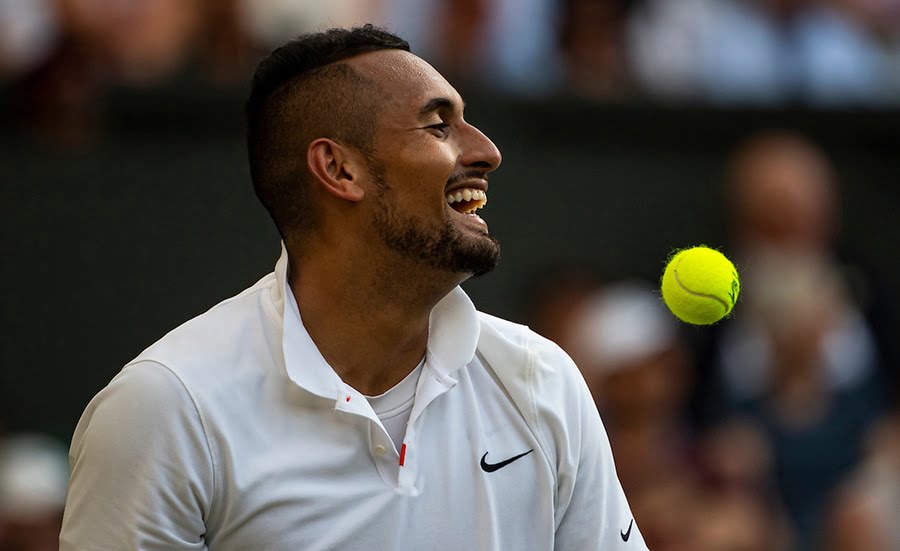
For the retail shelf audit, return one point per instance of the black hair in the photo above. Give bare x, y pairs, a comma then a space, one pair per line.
302, 91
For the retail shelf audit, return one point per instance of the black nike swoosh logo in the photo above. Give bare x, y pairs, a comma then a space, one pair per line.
491, 467
626, 535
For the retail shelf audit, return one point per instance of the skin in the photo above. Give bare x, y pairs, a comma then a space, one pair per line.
782, 194
365, 302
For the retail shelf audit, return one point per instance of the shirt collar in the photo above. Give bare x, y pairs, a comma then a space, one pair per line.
305, 365
453, 332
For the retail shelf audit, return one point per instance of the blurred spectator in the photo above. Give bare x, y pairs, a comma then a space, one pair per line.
733, 522
34, 473
782, 194
784, 210
783, 199
740, 506
593, 47
736, 456
800, 359
665, 40
273, 22
761, 52
864, 513
136, 40
506, 46
29, 30
63, 55
80, 47
668, 510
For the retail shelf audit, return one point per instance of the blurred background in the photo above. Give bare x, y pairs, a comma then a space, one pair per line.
769, 129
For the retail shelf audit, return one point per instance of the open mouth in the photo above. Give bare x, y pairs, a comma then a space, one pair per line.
467, 201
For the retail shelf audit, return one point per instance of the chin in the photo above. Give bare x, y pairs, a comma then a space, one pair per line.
449, 247
478, 257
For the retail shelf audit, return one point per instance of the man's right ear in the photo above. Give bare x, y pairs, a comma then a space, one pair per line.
336, 168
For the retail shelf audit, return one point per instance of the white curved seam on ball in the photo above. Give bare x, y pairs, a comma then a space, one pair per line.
694, 293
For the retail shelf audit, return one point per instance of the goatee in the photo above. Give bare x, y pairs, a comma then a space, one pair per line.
446, 247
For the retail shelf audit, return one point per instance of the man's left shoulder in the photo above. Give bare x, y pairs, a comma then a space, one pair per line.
516, 333
508, 342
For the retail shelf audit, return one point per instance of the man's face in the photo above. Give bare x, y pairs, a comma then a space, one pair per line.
429, 168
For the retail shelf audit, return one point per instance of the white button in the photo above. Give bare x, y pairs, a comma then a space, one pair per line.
380, 450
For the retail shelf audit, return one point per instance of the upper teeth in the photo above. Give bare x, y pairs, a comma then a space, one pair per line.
467, 195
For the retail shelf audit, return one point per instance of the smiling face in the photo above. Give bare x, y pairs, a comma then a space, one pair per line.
428, 168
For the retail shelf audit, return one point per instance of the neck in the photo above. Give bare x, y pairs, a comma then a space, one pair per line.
368, 320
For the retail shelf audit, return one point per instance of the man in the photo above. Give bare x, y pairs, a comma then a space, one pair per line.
353, 399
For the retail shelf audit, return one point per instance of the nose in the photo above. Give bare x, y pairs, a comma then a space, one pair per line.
479, 151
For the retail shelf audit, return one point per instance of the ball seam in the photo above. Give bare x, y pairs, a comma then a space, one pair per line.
694, 293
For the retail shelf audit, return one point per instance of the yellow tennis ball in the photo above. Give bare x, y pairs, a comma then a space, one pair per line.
700, 285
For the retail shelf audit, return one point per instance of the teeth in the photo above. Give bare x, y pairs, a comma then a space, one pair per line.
467, 195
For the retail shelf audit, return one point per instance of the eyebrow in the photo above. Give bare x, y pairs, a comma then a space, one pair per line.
437, 104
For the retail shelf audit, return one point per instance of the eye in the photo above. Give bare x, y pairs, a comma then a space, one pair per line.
441, 129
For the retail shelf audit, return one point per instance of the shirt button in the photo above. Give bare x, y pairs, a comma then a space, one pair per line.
380, 450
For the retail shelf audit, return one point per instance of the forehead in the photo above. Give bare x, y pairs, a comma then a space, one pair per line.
406, 81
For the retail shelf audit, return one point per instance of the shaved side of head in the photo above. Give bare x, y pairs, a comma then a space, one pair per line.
306, 90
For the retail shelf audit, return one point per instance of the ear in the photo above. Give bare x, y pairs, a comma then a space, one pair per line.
336, 168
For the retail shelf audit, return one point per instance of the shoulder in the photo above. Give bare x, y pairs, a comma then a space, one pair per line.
516, 335
540, 378
146, 407
141, 464
205, 348
528, 353
194, 375
141, 386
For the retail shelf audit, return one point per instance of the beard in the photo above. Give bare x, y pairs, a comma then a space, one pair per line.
445, 247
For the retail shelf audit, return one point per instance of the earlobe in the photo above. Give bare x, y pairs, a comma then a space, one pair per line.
333, 167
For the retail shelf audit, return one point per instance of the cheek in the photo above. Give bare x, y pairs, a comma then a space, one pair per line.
434, 159
425, 170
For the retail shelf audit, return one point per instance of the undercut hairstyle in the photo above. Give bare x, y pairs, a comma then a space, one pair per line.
303, 91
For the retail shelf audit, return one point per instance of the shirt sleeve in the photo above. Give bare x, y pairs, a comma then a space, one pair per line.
142, 471
592, 513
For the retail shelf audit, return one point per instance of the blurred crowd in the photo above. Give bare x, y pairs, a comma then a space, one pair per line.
778, 431
62, 54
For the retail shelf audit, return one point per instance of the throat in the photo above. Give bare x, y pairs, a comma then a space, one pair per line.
379, 371
370, 341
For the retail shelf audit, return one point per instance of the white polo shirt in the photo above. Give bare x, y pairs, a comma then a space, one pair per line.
233, 433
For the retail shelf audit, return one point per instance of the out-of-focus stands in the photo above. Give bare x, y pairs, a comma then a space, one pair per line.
62, 55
